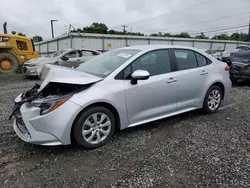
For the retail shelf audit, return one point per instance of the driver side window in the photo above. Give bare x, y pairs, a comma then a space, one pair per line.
155, 62
73, 54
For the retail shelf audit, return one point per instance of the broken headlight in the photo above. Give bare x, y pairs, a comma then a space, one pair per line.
49, 104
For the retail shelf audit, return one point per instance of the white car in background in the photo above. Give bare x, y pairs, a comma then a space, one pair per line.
214, 53
66, 57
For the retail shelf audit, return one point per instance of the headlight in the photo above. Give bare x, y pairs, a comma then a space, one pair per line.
31, 65
48, 105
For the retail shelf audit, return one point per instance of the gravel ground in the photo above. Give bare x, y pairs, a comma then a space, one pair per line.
188, 150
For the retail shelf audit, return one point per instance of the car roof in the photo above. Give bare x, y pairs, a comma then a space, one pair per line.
155, 47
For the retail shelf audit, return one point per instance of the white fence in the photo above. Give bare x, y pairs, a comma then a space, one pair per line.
106, 42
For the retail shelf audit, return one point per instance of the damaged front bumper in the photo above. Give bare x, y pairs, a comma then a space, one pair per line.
50, 129
30, 71
45, 114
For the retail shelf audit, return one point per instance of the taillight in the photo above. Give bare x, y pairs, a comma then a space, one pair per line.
227, 68
4, 39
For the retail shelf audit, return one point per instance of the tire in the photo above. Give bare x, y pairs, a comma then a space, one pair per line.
12, 59
233, 80
85, 123
208, 107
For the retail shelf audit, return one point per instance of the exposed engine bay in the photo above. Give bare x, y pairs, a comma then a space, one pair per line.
51, 92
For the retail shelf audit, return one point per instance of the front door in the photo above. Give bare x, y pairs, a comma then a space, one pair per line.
73, 59
150, 99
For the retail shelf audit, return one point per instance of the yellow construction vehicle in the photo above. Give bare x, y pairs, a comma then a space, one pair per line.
15, 49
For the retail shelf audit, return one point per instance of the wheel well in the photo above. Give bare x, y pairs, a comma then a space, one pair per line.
219, 84
104, 104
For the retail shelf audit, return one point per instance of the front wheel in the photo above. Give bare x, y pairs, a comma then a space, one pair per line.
212, 100
94, 127
8, 62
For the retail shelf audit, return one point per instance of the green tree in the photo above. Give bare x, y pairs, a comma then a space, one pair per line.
96, 28
234, 36
201, 36
222, 37
182, 35
239, 37
167, 35
37, 38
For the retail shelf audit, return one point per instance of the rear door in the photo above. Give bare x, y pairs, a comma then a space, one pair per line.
192, 78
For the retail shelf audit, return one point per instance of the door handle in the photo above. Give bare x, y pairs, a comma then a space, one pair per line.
170, 80
78, 60
204, 72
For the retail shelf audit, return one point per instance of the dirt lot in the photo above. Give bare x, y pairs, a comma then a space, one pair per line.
189, 150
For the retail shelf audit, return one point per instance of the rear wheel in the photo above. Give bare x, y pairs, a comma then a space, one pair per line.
233, 80
94, 127
8, 62
213, 99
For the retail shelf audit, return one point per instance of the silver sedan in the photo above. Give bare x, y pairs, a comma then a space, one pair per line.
119, 89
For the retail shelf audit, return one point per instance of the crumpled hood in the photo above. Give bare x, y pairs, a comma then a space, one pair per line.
41, 61
58, 74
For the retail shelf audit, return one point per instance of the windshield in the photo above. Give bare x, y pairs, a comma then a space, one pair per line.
106, 63
58, 53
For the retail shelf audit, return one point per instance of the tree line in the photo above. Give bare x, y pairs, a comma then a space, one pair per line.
101, 28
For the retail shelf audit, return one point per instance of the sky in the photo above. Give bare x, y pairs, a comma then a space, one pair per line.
32, 17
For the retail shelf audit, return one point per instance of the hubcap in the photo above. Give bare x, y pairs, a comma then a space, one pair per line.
6, 65
96, 128
214, 99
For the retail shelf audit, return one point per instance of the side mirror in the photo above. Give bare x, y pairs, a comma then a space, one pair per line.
64, 58
139, 75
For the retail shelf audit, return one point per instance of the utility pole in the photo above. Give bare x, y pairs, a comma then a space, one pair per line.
131, 36
5, 28
249, 32
52, 29
124, 28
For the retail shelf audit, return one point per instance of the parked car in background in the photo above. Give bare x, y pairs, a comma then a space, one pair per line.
214, 53
240, 67
67, 58
243, 48
119, 89
226, 55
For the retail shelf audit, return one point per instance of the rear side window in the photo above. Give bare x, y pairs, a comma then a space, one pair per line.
202, 61
185, 59
73, 54
21, 45
87, 53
